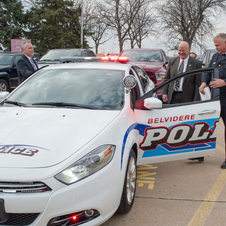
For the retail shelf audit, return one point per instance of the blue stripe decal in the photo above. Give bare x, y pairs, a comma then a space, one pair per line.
165, 150
132, 127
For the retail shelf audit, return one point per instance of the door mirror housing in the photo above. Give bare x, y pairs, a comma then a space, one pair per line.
152, 103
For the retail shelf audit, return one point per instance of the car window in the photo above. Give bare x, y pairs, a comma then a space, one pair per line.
89, 53
144, 55
135, 92
5, 59
92, 87
16, 59
196, 90
54, 55
214, 93
142, 76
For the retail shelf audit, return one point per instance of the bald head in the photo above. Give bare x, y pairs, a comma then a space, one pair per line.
183, 50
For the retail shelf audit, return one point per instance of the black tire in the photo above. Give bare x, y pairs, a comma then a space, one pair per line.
3, 85
129, 187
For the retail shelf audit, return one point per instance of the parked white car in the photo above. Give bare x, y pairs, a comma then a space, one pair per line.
72, 136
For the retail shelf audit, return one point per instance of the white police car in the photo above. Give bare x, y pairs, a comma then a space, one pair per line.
72, 135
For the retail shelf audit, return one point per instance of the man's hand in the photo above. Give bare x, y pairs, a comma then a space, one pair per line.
165, 98
217, 83
201, 88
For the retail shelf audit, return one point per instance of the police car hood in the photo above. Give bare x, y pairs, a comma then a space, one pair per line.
32, 137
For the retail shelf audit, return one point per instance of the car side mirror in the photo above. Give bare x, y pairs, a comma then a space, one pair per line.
152, 103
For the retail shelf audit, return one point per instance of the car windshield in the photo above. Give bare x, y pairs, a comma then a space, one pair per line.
144, 55
5, 59
88, 88
57, 53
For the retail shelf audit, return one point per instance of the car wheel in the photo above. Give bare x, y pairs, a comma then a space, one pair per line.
129, 188
3, 85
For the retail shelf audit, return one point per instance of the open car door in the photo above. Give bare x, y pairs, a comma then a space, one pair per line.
170, 132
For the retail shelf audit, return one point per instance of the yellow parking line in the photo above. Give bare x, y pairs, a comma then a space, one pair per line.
145, 177
208, 203
219, 148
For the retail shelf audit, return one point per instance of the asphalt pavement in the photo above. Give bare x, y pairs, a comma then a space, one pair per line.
179, 193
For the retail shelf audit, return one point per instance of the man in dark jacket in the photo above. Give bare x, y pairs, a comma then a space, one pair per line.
26, 65
187, 89
218, 61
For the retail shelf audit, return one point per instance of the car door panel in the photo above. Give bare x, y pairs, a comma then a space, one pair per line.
177, 131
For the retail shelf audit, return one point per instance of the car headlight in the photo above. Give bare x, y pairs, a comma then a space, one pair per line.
87, 165
159, 76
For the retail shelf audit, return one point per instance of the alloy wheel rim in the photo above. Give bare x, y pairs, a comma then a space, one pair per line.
2, 87
131, 180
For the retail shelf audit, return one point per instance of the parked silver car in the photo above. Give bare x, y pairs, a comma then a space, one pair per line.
207, 56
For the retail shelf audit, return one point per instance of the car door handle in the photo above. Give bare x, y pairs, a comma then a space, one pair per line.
210, 111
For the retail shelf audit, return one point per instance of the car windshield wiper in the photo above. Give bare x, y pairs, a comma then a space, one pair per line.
15, 103
63, 104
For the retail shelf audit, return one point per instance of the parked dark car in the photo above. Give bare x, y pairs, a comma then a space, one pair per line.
207, 56
152, 61
8, 72
53, 55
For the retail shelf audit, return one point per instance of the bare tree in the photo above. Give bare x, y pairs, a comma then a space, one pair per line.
188, 19
30, 3
93, 22
99, 33
119, 15
142, 26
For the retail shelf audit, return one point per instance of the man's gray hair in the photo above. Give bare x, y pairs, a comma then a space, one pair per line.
23, 46
221, 36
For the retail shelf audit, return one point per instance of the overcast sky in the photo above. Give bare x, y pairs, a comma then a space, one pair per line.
155, 42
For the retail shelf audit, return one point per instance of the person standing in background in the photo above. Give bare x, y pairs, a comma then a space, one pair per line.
218, 61
26, 65
186, 89
194, 55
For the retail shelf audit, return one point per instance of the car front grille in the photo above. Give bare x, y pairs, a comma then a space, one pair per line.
151, 76
20, 219
23, 187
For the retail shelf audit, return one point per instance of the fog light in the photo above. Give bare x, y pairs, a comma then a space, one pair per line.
89, 213
74, 218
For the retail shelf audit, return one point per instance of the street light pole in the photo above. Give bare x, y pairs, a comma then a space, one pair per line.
82, 24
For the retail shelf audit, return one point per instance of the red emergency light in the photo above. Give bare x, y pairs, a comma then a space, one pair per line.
123, 59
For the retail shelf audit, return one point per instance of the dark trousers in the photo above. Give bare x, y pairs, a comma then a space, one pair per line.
177, 97
223, 115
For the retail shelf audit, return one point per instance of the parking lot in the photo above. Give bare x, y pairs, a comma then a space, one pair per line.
179, 193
